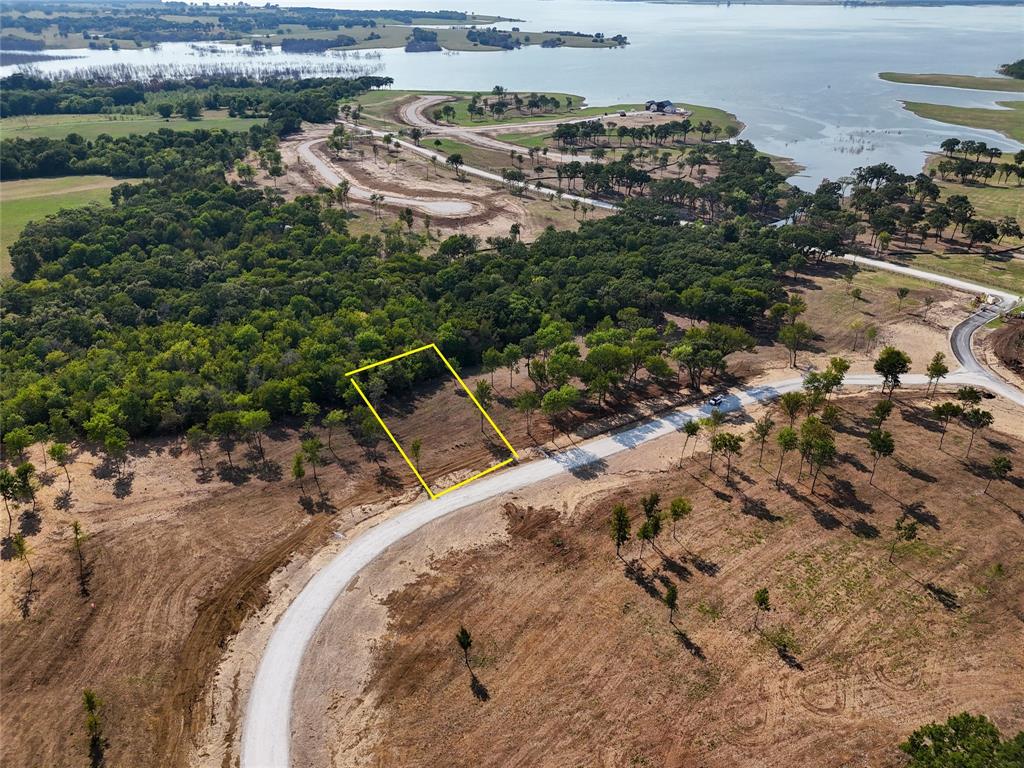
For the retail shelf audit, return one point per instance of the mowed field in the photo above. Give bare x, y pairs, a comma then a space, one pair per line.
32, 199
575, 660
91, 126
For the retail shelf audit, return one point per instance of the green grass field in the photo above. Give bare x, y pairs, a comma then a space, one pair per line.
91, 126
991, 200
32, 199
996, 271
1008, 121
957, 81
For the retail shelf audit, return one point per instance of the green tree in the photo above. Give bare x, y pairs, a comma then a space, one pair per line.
788, 440
299, 471
791, 403
253, 424
79, 537
312, 453
904, 531
730, 444
999, 469
21, 550
901, 294
225, 426
334, 419
465, 641
17, 440
558, 402
794, 337
937, 370
620, 526
890, 365
882, 446
414, 450
197, 438
679, 509
762, 431
945, 413
483, 393
692, 429
61, 456
527, 402
762, 604
491, 362
97, 744
9, 493
671, 600
963, 741
881, 412
975, 420
645, 534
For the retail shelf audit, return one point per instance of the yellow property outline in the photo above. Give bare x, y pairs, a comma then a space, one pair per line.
458, 378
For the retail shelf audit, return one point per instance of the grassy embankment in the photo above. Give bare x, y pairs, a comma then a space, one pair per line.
1008, 121
91, 126
32, 199
956, 81
396, 36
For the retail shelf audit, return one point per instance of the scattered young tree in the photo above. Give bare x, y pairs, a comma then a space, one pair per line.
881, 412
620, 527
901, 294
890, 365
998, 469
645, 534
762, 604
21, 550
334, 419
197, 438
414, 451
975, 420
9, 493
61, 456
882, 445
904, 531
92, 705
730, 444
78, 537
788, 440
299, 471
692, 429
937, 370
527, 402
945, 413
671, 600
311, 453
762, 430
969, 395
252, 425
679, 509
483, 393
794, 336
465, 641
791, 404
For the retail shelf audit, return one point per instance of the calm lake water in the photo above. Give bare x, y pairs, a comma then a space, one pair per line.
803, 78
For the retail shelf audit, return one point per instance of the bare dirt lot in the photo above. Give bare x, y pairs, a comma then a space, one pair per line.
574, 660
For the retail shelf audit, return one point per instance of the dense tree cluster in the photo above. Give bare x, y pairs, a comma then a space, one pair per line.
169, 22
1013, 69
494, 38
191, 298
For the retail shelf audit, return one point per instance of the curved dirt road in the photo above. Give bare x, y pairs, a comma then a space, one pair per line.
266, 729
434, 207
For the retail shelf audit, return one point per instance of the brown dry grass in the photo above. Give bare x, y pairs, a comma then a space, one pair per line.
579, 665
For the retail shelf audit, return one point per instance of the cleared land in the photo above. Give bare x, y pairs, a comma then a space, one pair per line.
91, 126
956, 81
33, 199
1008, 121
574, 659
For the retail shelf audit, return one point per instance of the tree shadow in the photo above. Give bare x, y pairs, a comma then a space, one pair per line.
269, 471
26, 600
123, 485
64, 501
636, 572
676, 568
920, 513
759, 509
581, 464
947, 599
30, 522
388, 478
790, 660
46, 478
863, 529
688, 643
707, 567
232, 473
916, 472
826, 519
203, 475
479, 690
105, 470
844, 495
853, 461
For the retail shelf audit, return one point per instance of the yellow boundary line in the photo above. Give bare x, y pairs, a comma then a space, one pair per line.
462, 384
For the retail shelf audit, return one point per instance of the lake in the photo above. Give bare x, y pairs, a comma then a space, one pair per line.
803, 78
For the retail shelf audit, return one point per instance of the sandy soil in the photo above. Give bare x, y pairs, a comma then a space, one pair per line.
574, 661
